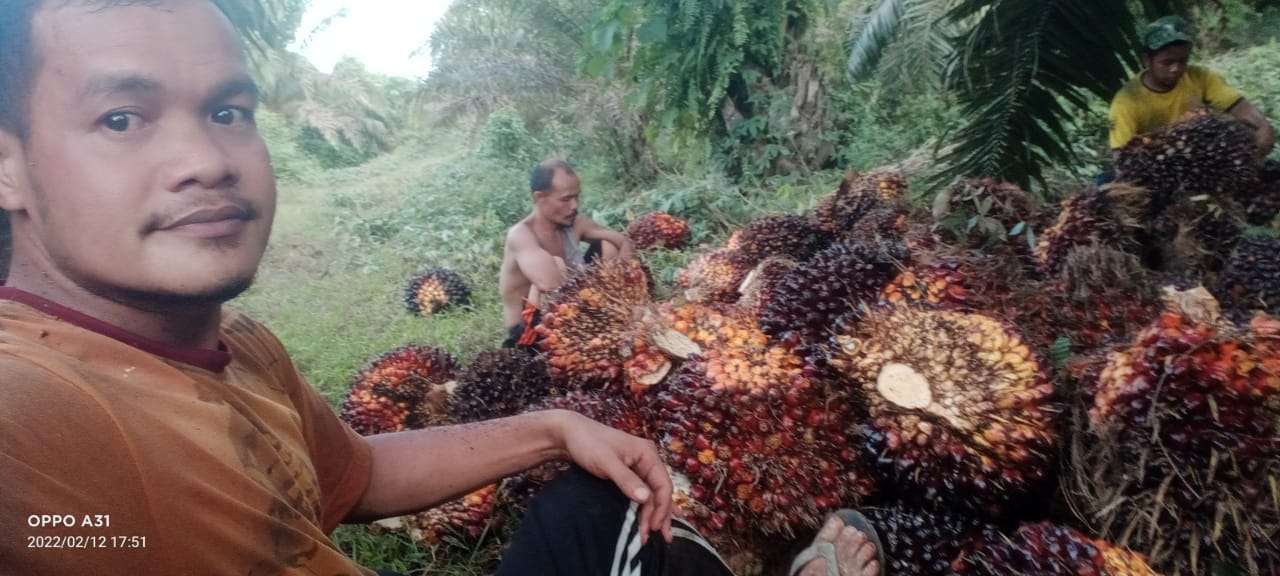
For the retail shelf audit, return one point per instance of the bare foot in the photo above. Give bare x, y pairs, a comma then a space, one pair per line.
854, 553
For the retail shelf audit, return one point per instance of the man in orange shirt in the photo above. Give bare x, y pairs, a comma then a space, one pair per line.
146, 430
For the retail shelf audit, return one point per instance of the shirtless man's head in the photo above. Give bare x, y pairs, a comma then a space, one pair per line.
137, 186
556, 190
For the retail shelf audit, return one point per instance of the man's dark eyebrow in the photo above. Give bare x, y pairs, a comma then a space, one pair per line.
122, 84
238, 86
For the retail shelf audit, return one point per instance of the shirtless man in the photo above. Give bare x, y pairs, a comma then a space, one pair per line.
543, 249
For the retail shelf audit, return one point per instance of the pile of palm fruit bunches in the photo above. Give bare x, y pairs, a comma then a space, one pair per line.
1102, 400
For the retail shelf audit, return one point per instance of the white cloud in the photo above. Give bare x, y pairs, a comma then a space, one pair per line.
380, 33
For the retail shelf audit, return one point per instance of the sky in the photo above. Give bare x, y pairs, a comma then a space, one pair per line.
380, 33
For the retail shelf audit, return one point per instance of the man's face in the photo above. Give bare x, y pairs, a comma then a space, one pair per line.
146, 179
559, 203
1166, 67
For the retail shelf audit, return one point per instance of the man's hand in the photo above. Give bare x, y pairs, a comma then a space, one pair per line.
630, 462
627, 251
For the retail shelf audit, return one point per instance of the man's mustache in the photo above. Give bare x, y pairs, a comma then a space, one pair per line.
245, 209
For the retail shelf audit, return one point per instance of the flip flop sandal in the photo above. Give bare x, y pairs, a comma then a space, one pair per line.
827, 550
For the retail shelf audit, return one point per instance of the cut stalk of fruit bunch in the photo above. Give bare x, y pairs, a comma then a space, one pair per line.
961, 411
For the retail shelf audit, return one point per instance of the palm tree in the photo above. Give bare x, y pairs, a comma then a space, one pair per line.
1019, 69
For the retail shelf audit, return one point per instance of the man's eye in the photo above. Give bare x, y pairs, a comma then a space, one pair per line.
231, 115
121, 121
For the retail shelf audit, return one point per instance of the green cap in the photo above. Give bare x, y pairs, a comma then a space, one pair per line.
1166, 31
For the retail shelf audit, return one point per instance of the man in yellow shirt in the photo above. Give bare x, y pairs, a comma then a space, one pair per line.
1169, 87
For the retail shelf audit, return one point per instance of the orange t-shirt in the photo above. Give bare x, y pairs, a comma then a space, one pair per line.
165, 460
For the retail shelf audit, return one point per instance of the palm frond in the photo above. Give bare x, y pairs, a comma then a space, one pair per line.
872, 34
917, 59
1021, 71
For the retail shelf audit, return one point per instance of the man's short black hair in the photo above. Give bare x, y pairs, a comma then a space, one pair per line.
17, 62
18, 58
542, 174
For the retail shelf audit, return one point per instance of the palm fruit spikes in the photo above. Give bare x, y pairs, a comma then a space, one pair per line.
771, 456
793, 237
920, 542
1044, 549
856, 196
1107, 216
500, 383
960, 410
1102, 296
435, 289
404, 389
1202, 153
809, 301
659, 230
715, 276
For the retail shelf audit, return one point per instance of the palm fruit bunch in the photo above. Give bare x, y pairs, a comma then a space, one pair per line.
759, 285
1202, 153
961, 411
921, 542
764, 448
887, 224
404, 389
1194, 234
856, 196
809, 301
1102, 296
1251, 279
659, 230
1183, 452
500, 383
435, 289
1110, 216
466, 520
589, 323
794, 237
1044, 549
715, 276
937, 286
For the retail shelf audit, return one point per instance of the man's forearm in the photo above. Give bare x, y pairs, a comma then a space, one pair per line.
423, 468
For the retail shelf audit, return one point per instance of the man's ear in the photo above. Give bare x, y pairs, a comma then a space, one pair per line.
13, 172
